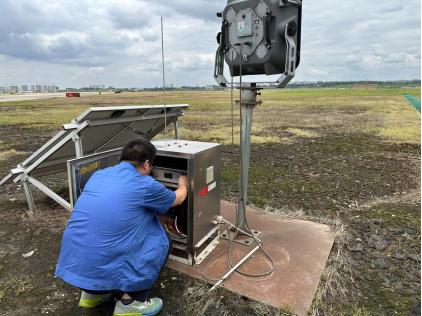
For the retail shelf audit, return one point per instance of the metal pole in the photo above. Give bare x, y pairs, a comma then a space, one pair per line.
247, 103
78, 146
28, 194
234, 268
176, 130
43, 188
164, 78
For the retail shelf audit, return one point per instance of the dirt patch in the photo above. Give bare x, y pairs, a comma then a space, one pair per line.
23, 138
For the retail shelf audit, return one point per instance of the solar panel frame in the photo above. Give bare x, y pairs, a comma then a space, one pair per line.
100, 128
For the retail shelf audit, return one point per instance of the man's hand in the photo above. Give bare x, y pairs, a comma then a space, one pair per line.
183, 181
182, 191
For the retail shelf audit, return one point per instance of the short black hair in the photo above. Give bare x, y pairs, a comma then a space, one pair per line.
138, 151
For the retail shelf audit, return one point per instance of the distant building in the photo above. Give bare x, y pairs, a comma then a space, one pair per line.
38, 88
13, 89
51, 89
97, 87
24, 88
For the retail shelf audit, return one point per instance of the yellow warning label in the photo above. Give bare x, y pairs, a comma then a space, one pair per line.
90, 168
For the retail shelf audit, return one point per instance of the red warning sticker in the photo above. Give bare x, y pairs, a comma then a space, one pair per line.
206, 190
203, 192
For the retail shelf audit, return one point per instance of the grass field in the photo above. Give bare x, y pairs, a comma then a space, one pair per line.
349, 158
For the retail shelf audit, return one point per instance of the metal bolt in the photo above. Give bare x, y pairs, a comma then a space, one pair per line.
292, 28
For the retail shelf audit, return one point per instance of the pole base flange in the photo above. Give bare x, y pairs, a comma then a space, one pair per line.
240, 238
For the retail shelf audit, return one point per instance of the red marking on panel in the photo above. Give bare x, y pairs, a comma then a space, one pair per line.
203, 192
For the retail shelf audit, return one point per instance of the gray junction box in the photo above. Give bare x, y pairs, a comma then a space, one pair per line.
190, 225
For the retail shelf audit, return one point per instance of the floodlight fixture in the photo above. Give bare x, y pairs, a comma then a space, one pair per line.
259, 37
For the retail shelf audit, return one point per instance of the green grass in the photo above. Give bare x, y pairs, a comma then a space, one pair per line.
345, 92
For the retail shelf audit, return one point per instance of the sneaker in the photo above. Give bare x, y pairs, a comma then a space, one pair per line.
88, 300
150, 307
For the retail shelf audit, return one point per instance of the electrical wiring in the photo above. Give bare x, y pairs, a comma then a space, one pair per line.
177, 229
173, 230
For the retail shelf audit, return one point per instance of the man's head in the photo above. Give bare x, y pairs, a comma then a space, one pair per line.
141, 153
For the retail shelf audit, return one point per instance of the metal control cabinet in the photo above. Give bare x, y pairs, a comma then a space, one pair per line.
201, 163
190, 225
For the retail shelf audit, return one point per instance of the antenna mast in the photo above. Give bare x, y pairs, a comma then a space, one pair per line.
164, 78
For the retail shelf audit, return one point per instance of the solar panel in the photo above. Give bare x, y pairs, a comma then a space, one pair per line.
98, 129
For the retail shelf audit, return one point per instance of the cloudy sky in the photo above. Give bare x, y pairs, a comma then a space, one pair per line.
74, 43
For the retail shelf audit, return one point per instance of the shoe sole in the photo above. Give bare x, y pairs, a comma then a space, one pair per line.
138, 314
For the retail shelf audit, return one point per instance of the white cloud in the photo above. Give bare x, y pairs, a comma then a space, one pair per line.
76, 43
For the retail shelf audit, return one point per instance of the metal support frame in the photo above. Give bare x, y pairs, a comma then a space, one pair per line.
247, 104
176, 129
284, 3
290, 63
28, 194
56, 147
26, 179
46, 190
227, 275
198, 258
78, 146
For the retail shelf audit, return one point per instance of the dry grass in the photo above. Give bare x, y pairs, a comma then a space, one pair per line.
411, 197
5, 155
303, 133
223, 134
16, 284
303, 113
337, 285
198, 292
221, 302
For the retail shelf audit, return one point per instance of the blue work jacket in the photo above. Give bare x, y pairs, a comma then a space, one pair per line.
114, 240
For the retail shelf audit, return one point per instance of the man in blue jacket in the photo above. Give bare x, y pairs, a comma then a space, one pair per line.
114, 242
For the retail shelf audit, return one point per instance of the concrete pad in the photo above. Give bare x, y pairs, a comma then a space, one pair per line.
299, 249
